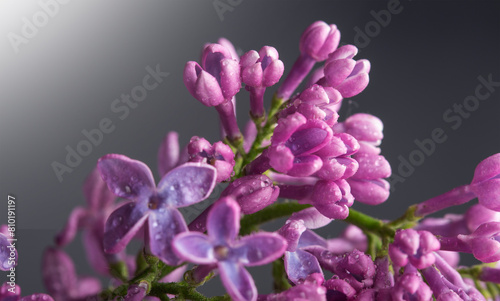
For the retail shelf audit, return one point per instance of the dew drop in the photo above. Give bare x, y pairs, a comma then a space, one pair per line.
117, 221
155, 224
158, 236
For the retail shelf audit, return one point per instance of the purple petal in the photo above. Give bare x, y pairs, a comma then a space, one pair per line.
93, 244
310, 238
354, 85
488, 193
287, 126
58, 272
237, 281
300, 264
305, 165
164, 224
280, 158
6, 295
126, 178
487, 169
168, 154
85, 287
187, 184
364, 127
194, 247
96, 192
260, 248
312, 218
122, 225
273, 73
5, 251
372, 167
371, 192
136, 292
75, 222
336, 71
344, 52
223, 221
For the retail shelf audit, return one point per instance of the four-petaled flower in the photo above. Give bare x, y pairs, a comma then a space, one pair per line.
183, 186
221, 247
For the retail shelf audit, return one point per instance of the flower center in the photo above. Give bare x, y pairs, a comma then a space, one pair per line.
221, 252
153, 202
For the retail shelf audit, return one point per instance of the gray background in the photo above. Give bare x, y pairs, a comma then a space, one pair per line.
64, 79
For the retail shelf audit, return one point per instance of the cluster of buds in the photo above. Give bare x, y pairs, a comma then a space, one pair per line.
302, 150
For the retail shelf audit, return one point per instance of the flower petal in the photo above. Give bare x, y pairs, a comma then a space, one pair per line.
237, 281
312, 218
94, 249
58, 272
168, 154
260, 248
126, 178
164, 224
300, 264
194, 247
86, 287
122, 225
75, 221
223, 221
97, 193
35, 297
187, 184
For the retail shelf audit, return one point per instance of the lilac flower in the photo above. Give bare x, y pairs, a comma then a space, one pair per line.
339, 289
299, 264
294, 140
316, 102
13, 293
260, 70
60, 278
367, 184
135, 292
410, 286
169, 155
230, 255
415, 247
214, 84
346, 75
486, 182
7, 251
316, 43
485, 186
92, 220
219, 155
483, 243
253, 193
182, 186
447, 284
351, 238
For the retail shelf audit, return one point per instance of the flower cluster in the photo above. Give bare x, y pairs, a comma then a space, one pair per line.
299, 160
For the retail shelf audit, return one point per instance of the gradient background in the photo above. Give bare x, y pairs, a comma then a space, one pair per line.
63, 81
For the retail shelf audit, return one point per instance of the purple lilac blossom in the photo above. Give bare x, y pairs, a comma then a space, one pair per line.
219, 155
260, 70
60, 278
92, 221
316, 43
169, 154
221, 247
184, 185
415, 247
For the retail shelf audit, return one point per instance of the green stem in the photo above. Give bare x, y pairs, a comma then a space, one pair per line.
407, 220
250, 221
368, 223
279, 275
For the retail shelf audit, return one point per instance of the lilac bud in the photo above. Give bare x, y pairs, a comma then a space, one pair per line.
484, 242
363, 127
486, 182
410, 286
219, 155
168, 154
319, 40
339, 289
261, 69
202, 85
253, 193
136, 292
217, 60
291, 232
332, 199
412, 246
230, 47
